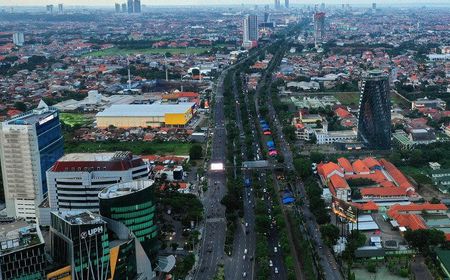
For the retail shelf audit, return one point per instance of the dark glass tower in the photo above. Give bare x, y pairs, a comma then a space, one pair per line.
374, 119
132, 204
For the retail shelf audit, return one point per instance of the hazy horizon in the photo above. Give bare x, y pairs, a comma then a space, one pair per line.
216, 2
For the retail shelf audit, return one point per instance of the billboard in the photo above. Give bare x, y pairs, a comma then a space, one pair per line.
344, 209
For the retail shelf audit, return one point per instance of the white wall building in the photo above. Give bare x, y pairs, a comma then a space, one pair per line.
29, 144
75, 180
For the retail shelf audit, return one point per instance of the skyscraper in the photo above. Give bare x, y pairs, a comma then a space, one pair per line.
18, 39
132, 204
117, 6
137, 6
124, 7
374, 119
250, 34
80, 239
277, 4
30, 144
286, 4
130, 6
60, 8
49, 9
319, 27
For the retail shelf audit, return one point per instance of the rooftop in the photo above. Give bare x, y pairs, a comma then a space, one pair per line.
88, 162
18, 235
80, 217
39, 115
123, 189
145, 110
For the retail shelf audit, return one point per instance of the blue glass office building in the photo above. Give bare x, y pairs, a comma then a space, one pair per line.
30, 144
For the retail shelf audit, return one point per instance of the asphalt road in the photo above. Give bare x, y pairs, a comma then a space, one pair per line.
213, 235
326, 259
211, 251
242, 262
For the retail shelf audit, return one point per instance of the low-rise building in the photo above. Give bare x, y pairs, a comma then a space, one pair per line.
146, 115
428, 103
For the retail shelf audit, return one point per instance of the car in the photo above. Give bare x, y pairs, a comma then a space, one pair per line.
270, 263
275, 249
245, 251
243, 257
276, 270
244, 274
246, 224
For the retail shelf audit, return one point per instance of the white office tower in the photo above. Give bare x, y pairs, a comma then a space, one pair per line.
18, 39
250, 32
75, 180
29, 144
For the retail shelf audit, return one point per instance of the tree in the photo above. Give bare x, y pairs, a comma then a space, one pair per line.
196, 152
316, 157
435, 200
303, 167
330, 234
20, 106
424, 239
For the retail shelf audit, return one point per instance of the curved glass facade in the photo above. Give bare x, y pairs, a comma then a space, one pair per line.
136, 210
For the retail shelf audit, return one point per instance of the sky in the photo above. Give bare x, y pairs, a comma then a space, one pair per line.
211, 2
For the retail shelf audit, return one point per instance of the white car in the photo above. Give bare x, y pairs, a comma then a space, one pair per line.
276, 270
245, 251
244, 274
275, 249
270, 263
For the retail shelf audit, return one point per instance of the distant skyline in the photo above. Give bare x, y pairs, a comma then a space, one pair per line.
215, 2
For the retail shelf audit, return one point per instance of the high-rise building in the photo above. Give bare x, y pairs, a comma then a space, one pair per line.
133, 205
250, 34
374, 119
286, 4
124, 7
277, 4
30, 143
75, 180
79, 239
137, 6
18, 39
117, 6
130, 6
374, 6
60, 8
266, 17
22, 253
319, 27
49, 9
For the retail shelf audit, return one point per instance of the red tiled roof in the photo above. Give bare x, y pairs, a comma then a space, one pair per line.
387, 191
325, 169
338, 182
368, 206
342, 113
109, 165
417, 207
371, 162
345, 163
359, 166
396, 174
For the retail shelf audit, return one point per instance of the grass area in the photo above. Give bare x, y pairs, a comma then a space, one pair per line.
136, 147
116, 51
348, 98
72, 119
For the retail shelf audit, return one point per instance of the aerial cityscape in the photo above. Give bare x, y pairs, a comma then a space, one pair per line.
284, 140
